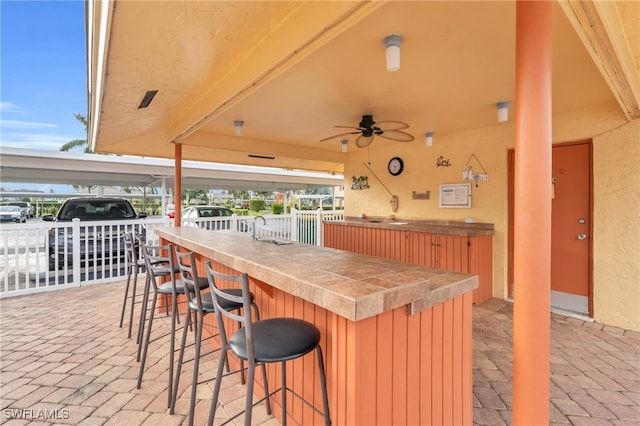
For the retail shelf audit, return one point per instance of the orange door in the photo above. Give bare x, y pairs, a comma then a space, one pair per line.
570, 227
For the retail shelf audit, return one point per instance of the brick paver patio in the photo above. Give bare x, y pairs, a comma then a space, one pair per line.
64, 360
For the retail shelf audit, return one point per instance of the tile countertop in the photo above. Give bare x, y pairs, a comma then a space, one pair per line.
354, 286
445, 227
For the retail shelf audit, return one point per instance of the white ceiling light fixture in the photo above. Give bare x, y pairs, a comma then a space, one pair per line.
343, 145
392, 51
428, 138
237, 125
503, 111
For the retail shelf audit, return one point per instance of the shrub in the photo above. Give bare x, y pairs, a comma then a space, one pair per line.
277, 208
256, 205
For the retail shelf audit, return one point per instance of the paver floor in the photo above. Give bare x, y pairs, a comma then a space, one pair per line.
64, 360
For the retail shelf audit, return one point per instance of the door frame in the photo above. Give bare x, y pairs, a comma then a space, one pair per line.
510, 224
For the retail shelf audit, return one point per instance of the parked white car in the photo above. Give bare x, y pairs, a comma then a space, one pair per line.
12, 214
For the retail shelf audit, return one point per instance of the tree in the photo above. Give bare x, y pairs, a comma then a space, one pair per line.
78, 143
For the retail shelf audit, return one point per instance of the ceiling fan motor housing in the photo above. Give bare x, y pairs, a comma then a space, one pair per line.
367, 121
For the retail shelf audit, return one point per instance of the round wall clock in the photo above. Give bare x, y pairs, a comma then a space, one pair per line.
395, 166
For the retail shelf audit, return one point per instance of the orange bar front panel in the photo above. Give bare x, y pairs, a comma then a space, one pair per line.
392, 368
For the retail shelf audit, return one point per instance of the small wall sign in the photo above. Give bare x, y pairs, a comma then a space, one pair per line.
420, 195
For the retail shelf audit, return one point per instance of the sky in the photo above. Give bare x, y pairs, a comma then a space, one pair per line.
42, 73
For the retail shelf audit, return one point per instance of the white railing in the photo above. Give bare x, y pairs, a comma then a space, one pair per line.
89, 252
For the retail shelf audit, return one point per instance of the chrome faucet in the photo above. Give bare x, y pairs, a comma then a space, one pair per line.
253, 231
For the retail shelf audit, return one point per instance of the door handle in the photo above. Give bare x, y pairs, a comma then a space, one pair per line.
582, 236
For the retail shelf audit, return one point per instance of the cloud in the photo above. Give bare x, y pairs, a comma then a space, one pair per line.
21, 125
44, 141
9, 107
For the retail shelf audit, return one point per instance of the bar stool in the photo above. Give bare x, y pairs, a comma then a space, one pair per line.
134, 265
199, 304
172, 287
261, 342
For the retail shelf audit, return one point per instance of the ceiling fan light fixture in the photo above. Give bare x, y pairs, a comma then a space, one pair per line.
429, 138
343, 145
392, 51
503, 111
237, 125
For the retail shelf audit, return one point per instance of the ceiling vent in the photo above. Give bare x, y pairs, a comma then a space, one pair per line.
264, 157
148, 97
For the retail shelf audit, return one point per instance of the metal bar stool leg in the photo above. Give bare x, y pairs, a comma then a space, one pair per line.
187, 323
126, 296
133, 298
283, 366
323, 386
146, 341
143, 315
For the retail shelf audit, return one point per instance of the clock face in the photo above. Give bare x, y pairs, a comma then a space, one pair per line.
396, 165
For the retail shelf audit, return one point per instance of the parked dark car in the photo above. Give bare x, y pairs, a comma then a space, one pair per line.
192, 216
96, 241
12, 214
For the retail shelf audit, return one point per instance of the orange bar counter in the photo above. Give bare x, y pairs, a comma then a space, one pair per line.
396, 336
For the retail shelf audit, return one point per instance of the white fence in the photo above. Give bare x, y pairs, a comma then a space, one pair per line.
44, 256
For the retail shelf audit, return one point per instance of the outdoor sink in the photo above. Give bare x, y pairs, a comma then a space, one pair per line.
276, 242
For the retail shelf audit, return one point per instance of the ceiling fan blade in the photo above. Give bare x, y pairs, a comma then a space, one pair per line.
391, 125
364, 141
337, 136
396, 135
349, 127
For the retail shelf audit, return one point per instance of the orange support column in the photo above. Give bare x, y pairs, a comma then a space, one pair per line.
532, 226
177, 186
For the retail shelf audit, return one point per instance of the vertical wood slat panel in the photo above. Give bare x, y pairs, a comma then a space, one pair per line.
436, 365
399, 367
384, 369
481, 263
414, 369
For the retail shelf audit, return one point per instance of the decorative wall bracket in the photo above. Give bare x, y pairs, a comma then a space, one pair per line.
469, 174
360, 182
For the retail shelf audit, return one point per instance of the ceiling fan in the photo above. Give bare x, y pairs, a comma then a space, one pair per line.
368, 129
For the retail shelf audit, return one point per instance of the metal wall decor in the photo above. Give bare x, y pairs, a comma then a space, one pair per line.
360, 182
443, 162
394, 199
469, 174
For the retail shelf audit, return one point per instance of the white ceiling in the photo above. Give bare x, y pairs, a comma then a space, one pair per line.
293, 70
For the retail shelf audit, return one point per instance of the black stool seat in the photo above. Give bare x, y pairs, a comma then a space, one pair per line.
277, 339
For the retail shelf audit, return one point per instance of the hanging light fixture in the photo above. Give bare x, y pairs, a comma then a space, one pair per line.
392, 51
343, 145
237, 125
428, 138
503, 111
